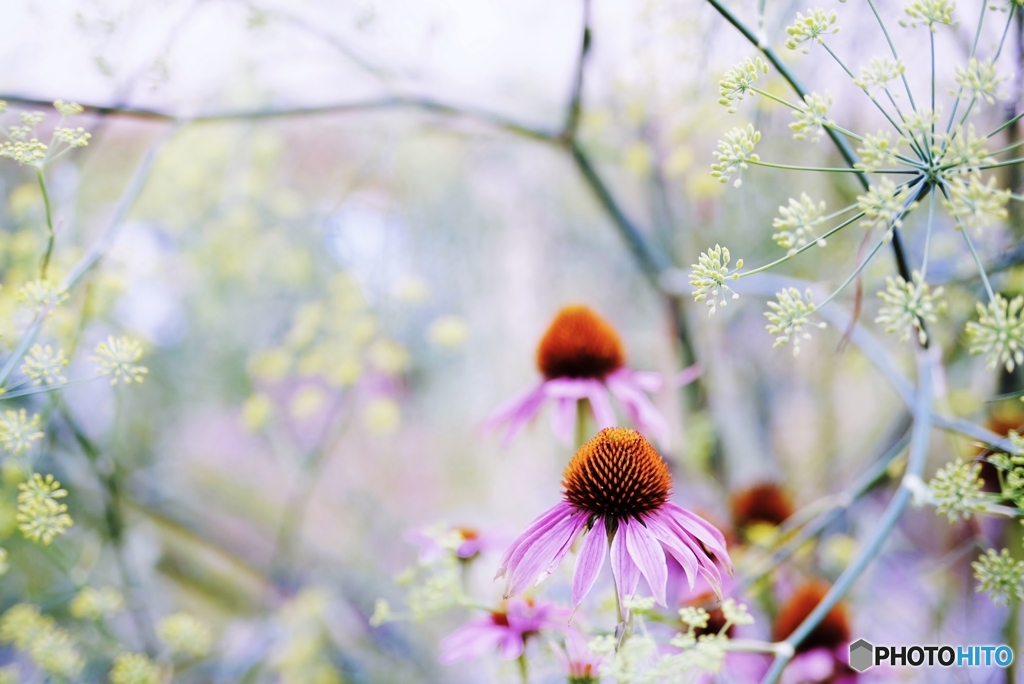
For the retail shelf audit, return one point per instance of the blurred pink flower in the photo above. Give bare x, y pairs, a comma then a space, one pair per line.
582, 357
616, 488
820, 666
466, 542
580, 663
505, 630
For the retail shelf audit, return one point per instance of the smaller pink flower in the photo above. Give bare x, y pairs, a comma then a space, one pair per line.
505, 630
582, 358
468, 542
580, 663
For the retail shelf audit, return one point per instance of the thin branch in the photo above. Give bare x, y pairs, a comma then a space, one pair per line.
572, 119
371, 105
915, 466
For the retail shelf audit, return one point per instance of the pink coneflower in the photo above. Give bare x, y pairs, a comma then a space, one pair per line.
617, 491
822, 657
582, 358
506, 630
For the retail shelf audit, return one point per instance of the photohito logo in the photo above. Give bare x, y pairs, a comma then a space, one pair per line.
864, 655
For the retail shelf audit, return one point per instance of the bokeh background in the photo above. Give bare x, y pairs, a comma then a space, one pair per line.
348, 266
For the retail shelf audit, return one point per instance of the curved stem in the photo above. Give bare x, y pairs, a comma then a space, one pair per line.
49, 225
915, 466
974, 252
892, 48
928, 236
827, 169
974, 49
803, 249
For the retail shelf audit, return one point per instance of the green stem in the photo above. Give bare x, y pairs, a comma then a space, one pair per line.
974, 252
1006, 125
931, 43
1008, 162
778, 99
928, 236
802, 249
838, 61
49, 224
867, 259
1008, 148
581, 422
524, 668
827, 169
892, 48
960, 90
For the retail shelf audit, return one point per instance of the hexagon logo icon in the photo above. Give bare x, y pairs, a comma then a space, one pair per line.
861, 655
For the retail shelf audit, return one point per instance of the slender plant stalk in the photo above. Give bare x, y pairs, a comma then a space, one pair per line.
49, 225
915, 467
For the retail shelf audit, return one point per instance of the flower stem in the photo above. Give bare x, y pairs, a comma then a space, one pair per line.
49, 224
778, 99
524, 668
867, 259
974, 252
892, 48
830, 169
893, 512
960, 90
581, 422
802, 249
928, 236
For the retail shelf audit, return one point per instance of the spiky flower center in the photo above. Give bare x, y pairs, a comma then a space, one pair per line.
617, 475
579, 344
762, 503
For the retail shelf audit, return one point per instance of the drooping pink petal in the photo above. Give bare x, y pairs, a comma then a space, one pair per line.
687, 375
541, 524
589, 561
579, 522
816, 665
624, 570
645, 380
567, 388
540, 554
511, 646
516, 412
704, 531
563, 419
472, 640
641, 411
648, 556
714, 578
677, 546
604, 414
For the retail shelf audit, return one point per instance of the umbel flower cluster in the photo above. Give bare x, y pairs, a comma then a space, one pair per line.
36, 367
925, 160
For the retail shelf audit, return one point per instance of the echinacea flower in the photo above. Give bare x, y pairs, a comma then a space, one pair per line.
823, 655
582, 358
505, 630
617, 491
